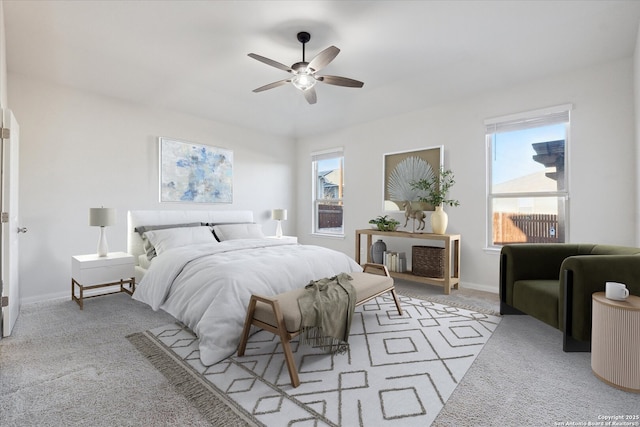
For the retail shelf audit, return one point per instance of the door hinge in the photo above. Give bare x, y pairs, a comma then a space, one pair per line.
5, 133
4, 217
5, 302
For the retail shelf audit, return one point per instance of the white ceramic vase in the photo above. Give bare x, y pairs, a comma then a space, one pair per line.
439, 220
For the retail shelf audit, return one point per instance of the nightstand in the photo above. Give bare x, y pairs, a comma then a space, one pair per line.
285, 239
92, 272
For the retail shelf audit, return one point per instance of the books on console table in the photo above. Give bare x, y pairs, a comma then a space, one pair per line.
395, 261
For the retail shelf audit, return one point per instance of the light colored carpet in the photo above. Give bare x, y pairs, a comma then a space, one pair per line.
66, 367
523, 378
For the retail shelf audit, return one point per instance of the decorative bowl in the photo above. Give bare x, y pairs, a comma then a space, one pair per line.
387, 227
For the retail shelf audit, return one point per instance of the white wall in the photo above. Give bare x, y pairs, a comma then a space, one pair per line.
636, 85
602, 153
3, 60
80, 150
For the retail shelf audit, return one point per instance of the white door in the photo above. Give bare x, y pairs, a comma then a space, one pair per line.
9, 231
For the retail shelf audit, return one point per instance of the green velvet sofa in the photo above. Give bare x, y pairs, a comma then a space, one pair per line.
553, 282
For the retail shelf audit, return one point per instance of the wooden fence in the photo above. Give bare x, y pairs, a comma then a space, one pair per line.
329, 216
522, 228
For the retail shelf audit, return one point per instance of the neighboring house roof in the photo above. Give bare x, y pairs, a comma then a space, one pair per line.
333, 177
538, 181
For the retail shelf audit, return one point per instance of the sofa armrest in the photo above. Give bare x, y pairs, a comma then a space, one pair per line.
588, 274
533, 261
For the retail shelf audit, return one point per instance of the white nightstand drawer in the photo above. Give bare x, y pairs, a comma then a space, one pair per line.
91, 269
93, 260
112, 273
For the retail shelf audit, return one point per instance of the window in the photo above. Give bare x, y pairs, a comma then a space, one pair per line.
328, 191
527, 191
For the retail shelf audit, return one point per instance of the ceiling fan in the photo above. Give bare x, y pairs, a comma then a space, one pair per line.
304, 73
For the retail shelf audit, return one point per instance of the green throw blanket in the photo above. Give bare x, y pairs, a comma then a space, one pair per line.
327, 309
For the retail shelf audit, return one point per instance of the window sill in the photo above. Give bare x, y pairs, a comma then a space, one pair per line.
328, 236
493, 251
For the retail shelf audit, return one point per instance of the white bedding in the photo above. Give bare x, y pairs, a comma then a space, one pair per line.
208, 286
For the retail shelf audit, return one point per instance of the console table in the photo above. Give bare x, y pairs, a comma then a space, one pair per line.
451, 277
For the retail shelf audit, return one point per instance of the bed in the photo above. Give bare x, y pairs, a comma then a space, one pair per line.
203, 266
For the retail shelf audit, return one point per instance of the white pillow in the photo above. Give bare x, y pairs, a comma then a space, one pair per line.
164, 240
144, 261
149, 250
238, 231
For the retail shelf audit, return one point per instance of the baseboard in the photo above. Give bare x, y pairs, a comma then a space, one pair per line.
64, 295
46, 297
480, 287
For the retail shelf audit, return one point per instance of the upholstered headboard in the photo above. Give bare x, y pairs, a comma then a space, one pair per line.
163, 217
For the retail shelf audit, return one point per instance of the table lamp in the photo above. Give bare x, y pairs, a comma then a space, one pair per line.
102, 217
279, 215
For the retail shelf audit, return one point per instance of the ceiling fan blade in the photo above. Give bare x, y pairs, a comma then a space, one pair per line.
340, 81
271, 62
272, 85
310, 95
323, 59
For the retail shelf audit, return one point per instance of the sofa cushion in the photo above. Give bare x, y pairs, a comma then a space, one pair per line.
537, 298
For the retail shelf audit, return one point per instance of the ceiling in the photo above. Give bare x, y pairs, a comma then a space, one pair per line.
191, 56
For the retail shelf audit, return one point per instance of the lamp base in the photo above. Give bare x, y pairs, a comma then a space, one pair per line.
103, 247
279, 230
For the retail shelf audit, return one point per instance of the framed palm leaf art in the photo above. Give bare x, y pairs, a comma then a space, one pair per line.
402, 168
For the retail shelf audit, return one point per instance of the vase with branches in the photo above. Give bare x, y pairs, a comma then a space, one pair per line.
434, 192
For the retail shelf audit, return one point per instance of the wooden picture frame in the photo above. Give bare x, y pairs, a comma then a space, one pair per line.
194, 173
403, 167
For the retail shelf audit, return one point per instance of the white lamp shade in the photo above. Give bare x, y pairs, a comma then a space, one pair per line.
102, 217
279, 214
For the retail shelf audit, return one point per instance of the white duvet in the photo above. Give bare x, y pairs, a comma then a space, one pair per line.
208, 286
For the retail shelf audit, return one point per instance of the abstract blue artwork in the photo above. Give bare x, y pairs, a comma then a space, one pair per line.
194, 173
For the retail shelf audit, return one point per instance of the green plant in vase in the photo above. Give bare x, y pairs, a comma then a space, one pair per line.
384, 223
434, 192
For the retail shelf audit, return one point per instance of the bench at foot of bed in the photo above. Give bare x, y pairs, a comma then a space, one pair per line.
280, 314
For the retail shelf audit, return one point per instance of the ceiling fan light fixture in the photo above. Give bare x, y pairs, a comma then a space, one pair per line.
304, 76
303, 81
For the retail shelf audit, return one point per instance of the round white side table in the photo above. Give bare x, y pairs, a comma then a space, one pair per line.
615, 341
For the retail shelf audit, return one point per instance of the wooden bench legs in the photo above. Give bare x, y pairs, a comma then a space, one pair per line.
278, 319
280, 330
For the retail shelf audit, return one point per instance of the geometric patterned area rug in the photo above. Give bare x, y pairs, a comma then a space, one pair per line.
398, 371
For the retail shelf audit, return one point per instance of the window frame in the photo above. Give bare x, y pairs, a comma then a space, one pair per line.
316, 200
520, 121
